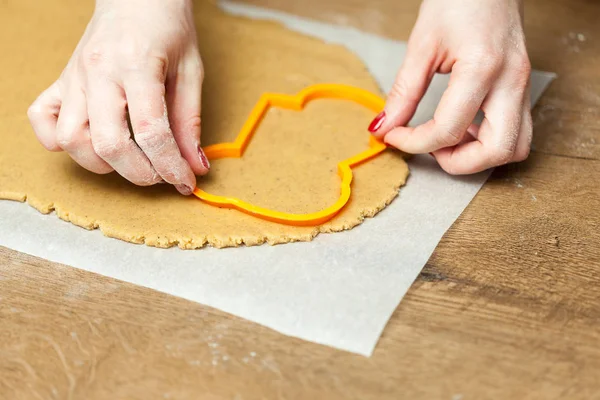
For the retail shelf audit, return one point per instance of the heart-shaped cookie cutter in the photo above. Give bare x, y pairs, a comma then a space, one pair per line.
295, 102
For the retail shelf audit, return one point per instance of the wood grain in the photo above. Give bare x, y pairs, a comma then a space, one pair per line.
507, 307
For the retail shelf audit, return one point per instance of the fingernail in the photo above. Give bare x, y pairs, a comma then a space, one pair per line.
377, 122
184, 190
203, 158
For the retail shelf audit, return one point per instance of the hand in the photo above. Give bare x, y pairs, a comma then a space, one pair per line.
136, 57
482, 44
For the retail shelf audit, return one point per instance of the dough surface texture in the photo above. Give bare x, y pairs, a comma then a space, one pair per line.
290, 164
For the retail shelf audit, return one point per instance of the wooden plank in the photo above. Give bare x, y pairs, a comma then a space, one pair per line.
506, 308
564, 37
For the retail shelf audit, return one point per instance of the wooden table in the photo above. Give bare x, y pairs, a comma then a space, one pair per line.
508, 306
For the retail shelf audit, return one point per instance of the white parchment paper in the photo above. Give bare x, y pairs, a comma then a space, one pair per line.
338, 290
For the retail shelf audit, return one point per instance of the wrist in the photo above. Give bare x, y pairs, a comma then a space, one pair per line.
144, 4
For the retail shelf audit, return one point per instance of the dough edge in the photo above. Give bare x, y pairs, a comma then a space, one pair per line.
192, 243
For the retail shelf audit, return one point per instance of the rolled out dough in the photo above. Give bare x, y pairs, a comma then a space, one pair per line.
290, 164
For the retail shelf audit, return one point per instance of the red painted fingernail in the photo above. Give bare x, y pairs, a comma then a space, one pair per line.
203, 158
377, 122
183, 189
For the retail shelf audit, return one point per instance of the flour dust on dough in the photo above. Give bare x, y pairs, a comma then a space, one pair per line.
290, 164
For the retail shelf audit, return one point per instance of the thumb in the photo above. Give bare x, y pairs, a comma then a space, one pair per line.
410, 85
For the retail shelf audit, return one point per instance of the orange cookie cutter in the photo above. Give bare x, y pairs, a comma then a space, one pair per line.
295, 102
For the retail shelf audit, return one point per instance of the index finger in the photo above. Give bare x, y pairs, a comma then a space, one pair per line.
152, 131
110, 134
468, 87
43, 115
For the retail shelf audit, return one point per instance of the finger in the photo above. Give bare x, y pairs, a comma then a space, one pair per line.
43, 114
184, 105
73, 133
110, 134
152, 132
472, 135
497, 136
473, 131
468, 86
526, 132
410, 85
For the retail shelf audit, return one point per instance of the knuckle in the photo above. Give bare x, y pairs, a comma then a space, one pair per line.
158, 63
447, 137
120, 104
131, 52
169, 175
67, 122
151, 135
198, 73
109, 149
194, 122
141, 178
66, 142
94, 56
148, 178
401, 90
187, 126
450, 168
521, 65
34, 110
197, 66
520, 69
484, 60
136, 59
66, 138
426, 42
522, 151
154, 65
527, 128
522, 154
501, 155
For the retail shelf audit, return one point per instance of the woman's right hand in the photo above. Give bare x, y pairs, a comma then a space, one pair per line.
138, 57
